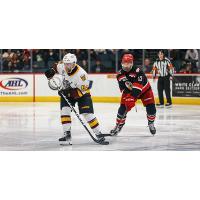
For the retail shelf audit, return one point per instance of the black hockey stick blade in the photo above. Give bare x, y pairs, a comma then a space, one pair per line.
103, 142
106, 135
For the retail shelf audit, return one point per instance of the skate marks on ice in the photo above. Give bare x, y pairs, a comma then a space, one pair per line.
36, 127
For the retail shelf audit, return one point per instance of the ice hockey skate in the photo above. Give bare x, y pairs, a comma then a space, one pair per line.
116, 130
152, 128
66, 139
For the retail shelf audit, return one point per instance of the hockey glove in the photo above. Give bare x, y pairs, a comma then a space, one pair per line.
50, 73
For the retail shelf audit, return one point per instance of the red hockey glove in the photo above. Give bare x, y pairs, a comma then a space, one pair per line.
129, 102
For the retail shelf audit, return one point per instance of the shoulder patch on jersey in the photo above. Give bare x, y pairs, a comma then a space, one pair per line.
137, 70
83, 77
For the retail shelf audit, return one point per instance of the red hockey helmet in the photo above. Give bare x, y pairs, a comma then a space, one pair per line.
127, 58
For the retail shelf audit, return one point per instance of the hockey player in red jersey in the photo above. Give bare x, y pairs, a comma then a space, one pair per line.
134, 85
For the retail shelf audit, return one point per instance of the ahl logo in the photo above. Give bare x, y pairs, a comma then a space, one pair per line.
13, 83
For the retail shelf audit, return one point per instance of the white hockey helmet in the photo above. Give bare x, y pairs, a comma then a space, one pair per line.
69, 58
69, 61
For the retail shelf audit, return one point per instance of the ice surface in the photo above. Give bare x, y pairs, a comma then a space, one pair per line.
36, 126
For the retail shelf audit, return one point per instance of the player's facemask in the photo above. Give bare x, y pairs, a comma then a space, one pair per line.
127, 66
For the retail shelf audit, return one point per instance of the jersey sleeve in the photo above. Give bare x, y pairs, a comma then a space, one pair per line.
120, 81
121, 78
154, 70
170, 67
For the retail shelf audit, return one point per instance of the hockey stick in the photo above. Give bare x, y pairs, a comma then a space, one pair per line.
78, 116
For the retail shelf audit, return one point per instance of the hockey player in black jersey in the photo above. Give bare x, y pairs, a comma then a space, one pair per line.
133, 85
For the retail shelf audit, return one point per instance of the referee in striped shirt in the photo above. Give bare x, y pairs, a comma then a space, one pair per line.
164, 69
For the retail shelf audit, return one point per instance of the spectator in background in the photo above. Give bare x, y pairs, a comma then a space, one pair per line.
38, 59
121, 52
192, 56
52, 57
188, 68
16, 63
82, 57
93, 54
8, 54
7, 59
101, 60
12, 60
84, 65
175, 58
44, 58
66, 51
82, 54
147, 68
26, 59
106, 57
98, 67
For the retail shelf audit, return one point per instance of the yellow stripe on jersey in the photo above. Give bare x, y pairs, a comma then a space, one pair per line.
84, 107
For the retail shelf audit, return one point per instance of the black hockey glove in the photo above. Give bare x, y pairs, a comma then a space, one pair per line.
50, 73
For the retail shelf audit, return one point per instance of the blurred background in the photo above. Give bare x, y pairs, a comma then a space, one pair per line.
95, 60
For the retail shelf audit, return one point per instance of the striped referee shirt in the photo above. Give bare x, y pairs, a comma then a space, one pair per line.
163, 68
